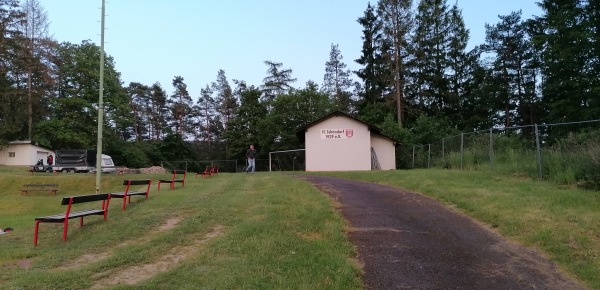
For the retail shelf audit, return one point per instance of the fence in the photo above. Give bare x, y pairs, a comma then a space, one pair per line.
229, 165
565, 152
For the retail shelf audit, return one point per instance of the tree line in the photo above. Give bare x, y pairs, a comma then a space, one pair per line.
418, 81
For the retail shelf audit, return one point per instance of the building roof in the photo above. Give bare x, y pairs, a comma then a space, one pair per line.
27, 142
374, 130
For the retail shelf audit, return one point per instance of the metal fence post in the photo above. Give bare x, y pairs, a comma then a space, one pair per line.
413, 157
491, 149
462, 149
429, 157
538, 151
443, 153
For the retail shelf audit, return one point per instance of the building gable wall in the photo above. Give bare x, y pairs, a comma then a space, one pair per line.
336, 151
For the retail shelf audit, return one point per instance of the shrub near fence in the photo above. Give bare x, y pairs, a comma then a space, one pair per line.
567, 153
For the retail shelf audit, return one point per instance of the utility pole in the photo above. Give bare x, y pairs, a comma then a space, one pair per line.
100, 106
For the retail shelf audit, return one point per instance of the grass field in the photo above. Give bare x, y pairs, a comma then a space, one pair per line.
231, 231
265, 230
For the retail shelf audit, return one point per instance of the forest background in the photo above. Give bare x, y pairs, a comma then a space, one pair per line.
417, 81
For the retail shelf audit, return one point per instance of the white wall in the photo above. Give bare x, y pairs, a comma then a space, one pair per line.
385, 150
25, 154
338, 154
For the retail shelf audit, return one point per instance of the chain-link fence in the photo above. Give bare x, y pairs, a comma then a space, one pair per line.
565, 152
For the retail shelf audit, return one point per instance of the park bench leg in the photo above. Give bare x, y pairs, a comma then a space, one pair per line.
124, 202
66, 229
35, 233
81, 221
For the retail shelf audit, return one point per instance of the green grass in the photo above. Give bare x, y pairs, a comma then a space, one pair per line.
562, 222
232, 231
268, 231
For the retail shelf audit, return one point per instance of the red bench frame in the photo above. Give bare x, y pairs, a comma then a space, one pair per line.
172, 181
126, 195
64, 218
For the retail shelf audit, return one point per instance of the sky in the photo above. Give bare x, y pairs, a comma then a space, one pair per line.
154, 41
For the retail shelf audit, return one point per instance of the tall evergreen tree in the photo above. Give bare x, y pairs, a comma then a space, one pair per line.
370, 59
397, 21
277, 82
12, 94
512, 55
206, 108
337, 82
35, 31
225, 99
243, 130
567, 39
181, 108
158, 112
429, 64
140, 100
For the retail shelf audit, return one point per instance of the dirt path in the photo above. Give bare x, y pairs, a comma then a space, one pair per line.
408, 241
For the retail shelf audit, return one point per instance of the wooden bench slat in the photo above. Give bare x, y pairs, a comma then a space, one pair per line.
84, 198
59, 218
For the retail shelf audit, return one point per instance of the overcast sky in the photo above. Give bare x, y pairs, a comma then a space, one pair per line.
153, 41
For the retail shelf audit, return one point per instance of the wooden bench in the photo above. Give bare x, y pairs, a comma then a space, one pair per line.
126, 195
64, 218
50, 188
174, 179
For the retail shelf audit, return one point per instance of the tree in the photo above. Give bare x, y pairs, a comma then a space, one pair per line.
430, 64
336, 81
567, 38
243, 129
289, 112
73, 120
397, 21
181, 108
225, 100
157, 111
512, 55
35, 31
278, 81
140, 101
206, 108
12, 45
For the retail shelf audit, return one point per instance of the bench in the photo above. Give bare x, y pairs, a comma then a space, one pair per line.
209, 171
64, 218
126, 195
174, 179
50, 188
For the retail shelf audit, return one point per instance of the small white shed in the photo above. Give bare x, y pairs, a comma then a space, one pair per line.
340, 142
23, 153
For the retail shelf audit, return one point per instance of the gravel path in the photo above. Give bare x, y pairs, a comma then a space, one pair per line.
409, 241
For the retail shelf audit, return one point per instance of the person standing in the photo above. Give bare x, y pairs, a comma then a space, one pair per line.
50, 161
251, 156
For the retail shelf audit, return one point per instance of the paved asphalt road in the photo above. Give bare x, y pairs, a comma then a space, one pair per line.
408, 241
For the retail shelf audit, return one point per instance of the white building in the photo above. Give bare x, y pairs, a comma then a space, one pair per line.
339, 142
23, 153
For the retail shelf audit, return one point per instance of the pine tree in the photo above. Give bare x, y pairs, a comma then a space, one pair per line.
431, 41
35, 31
370, 59
567, 39
336, 81
397, 21
225, 100
277, 82
511, 51
181, 108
